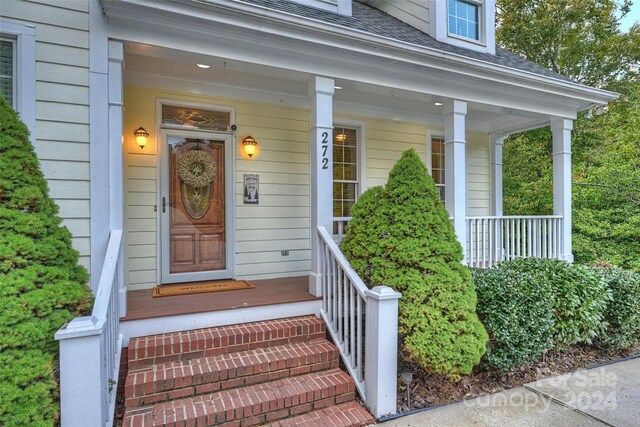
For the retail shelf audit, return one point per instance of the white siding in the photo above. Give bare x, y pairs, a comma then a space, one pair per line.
62, 105
412, 12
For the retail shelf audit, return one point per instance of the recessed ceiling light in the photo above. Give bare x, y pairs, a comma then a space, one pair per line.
337, 87
205, 66
437, 104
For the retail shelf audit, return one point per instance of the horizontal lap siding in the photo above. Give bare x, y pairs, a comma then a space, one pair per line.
62, 105
279, 222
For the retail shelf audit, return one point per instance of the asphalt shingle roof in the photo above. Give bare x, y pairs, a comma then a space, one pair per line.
371, 20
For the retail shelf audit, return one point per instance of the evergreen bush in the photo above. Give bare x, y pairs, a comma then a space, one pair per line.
41, 285
402, 237
518, 311
580, 300
623, 312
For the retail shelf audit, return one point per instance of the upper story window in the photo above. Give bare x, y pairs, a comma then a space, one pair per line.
463, 18
7, 70
469, 24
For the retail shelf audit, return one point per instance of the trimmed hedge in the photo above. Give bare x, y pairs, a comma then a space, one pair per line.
623, 312
532, 305
41, 285
517, 310
402, 237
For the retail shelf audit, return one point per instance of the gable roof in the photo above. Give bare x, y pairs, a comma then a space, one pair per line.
370, 20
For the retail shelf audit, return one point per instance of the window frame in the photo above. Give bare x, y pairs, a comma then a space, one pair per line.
359, 127
430, 136
480, 4
24, 63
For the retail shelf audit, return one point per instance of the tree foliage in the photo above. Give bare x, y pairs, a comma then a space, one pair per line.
581, 40
41, 285
401, 236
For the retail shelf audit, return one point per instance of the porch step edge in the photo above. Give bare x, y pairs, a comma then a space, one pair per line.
192, 377
170, 347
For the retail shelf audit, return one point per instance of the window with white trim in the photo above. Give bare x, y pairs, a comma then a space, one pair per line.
346, 183
437, 164
18, 69
464, 18
8, 69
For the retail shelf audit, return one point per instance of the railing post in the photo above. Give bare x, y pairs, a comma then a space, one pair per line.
82, 372
381, 350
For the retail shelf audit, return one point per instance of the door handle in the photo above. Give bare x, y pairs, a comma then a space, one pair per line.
164, 204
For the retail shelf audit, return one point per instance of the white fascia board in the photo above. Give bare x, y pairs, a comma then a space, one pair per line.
201, 14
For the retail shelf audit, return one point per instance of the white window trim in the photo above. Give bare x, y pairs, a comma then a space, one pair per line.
361, 147
25, 67
481, 23
439, 26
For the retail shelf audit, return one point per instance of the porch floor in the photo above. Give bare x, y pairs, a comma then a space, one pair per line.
141, 305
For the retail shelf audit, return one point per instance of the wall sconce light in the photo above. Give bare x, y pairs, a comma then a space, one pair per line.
142, 136
249, 146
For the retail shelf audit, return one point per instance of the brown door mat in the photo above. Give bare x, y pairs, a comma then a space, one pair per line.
200, 287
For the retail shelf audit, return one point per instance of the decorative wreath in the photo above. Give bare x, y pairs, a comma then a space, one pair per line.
196, 168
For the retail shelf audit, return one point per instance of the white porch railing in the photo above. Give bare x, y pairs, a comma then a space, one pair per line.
492, 239
363, 323
90, 350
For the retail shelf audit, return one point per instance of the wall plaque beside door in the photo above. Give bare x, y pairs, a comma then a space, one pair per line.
251, 184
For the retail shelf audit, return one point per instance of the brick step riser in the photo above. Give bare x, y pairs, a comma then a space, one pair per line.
147, 392
261, 404
147, 351
350, 414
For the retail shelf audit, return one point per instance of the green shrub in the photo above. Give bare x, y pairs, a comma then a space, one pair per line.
41, 285
402, 237
623, 312
581, 299
517, 311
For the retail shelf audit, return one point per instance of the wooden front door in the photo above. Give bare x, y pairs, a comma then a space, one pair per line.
194, 210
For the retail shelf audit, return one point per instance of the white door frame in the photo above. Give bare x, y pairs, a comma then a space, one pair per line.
163, 191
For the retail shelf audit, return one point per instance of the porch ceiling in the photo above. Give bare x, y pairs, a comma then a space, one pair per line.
155, 66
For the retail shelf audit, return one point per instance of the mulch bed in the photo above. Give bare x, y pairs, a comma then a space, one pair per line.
433, 390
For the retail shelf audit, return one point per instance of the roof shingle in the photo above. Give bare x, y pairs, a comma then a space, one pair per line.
370, 20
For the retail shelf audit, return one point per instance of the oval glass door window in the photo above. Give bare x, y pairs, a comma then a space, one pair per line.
196, 199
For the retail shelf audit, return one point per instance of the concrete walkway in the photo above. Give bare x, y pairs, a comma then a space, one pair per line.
604, 396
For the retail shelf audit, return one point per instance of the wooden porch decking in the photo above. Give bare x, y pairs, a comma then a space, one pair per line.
141, 305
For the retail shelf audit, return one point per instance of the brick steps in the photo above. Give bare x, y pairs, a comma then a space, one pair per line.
146, 351
208, 374
255, 404
282, 371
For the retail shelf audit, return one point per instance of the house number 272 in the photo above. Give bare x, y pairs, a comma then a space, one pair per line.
325, 147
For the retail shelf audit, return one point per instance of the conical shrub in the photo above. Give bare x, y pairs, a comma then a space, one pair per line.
402, 237
41, 284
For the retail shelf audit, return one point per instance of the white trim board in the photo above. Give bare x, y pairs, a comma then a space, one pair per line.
139, 328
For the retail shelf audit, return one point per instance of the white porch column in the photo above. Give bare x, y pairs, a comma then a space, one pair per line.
495, 157
561, 130
455, 170
321, 91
